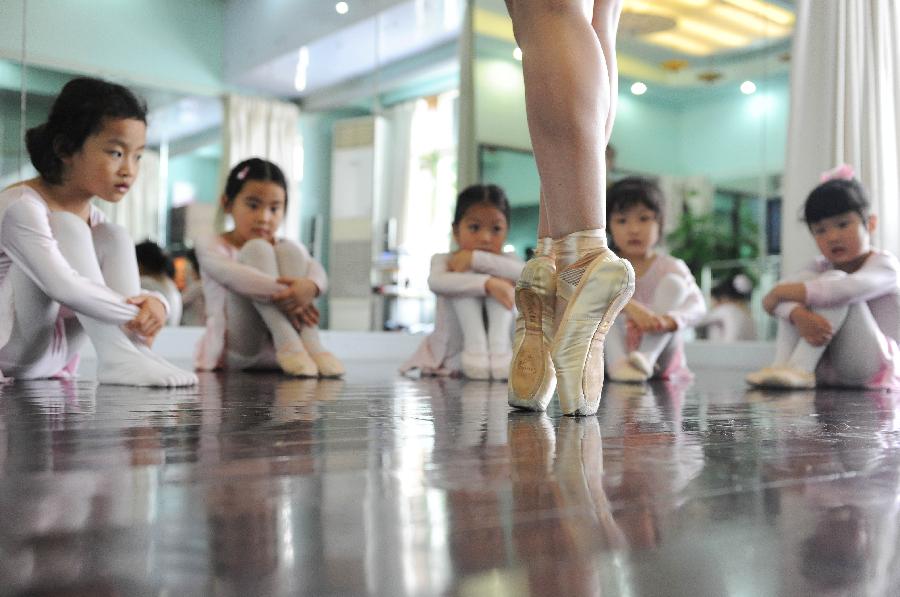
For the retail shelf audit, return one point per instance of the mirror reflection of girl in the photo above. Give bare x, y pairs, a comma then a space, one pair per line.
477, 279
260, 288
648, 341
838, 319
66, 273
729, 320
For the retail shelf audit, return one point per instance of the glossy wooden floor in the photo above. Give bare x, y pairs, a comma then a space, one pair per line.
257, 485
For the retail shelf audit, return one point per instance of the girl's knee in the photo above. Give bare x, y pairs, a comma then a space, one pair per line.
256, 250
67, 223
671, 283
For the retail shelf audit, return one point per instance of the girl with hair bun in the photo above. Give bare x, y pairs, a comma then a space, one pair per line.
66, 273
729, 320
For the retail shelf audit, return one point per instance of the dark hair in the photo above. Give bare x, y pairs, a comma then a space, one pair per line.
153, 259
735, 287
835, 197
633, 191
77, 113
489, 194
253, 169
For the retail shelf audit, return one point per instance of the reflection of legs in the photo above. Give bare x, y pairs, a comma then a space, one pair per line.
670, 293
289, 350
294, 263
567, 95
119, 359
475, 347
499, 320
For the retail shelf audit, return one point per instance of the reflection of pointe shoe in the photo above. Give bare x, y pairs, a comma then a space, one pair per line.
475, 365
640, 362
595, 288
328, 364
500, 365
532, 378
624, 371
297, 363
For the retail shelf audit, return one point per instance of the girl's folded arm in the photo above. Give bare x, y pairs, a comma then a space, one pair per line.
500, 266
877, 276
441, 281
29, 242
237, 277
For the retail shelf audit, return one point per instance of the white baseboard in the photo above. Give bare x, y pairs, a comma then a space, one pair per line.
177, 344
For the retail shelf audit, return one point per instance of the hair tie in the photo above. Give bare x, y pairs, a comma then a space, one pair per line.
742, 284
243, 173
842, 172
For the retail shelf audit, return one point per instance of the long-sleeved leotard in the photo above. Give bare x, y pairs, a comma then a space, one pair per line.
439, 352
221, 273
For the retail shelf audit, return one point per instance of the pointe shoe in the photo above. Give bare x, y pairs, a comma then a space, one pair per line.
328, 365
758, 378
640, 362
532, 377
297, 363
475, 365
500, 363
595, 288
623, 371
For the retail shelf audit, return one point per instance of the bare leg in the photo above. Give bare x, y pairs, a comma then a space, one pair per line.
567, 100
605, 22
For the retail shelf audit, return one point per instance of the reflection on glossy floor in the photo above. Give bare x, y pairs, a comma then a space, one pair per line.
257, 484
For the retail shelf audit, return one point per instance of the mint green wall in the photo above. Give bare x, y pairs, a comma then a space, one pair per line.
716, 132
174, 44
200, 171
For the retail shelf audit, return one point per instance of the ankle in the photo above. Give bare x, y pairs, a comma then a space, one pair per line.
576, 245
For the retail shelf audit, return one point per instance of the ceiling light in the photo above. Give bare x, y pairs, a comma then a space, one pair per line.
302, 67
750, 22
638, 88
680, 42
342, 8
517, 53
766, 10
712, 33
748, 87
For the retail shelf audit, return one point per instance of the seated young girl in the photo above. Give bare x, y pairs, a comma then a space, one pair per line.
65, 273
474, 282
647, 341
838, 319
259, 288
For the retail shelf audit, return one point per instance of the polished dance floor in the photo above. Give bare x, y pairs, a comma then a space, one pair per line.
255, 484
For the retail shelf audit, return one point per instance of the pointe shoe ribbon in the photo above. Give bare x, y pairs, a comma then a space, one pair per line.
595, 288
532, 378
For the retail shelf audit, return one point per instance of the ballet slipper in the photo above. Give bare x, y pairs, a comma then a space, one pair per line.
623, 371
640, 362
761, 377
789, 377
475, 365
500, 364
297, 363
328, 365
594, 288
532, 377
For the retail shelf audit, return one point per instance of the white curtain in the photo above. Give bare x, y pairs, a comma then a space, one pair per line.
845, 87
140, 210
268, 129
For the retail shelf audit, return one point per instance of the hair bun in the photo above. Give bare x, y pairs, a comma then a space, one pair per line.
742, 284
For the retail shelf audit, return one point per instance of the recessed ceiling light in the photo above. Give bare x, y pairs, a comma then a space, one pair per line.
748, 87
517, 53
342, 8
638, 88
